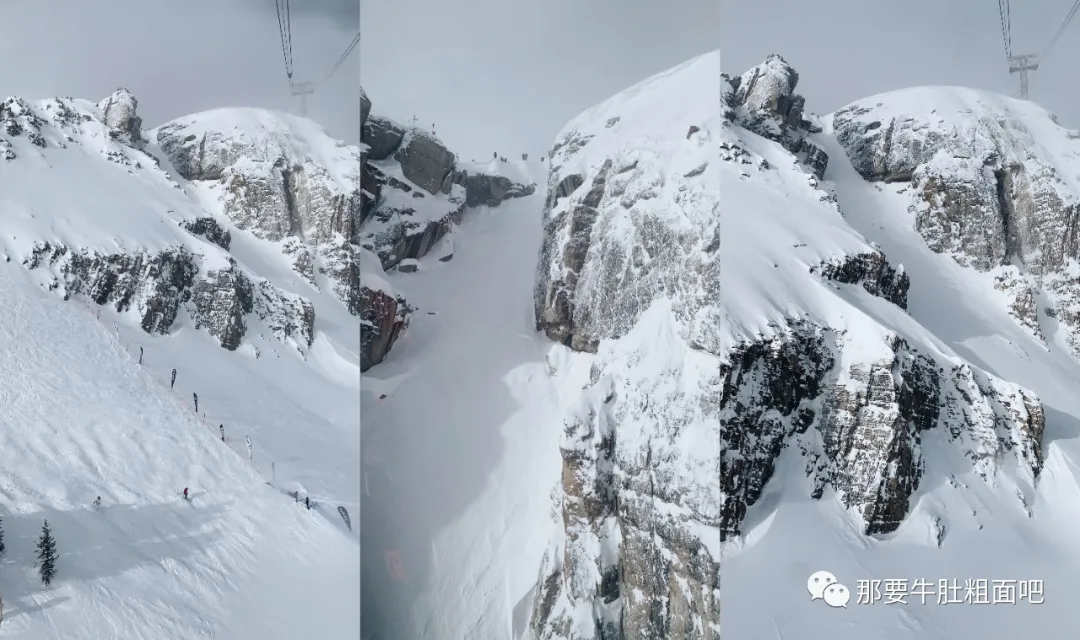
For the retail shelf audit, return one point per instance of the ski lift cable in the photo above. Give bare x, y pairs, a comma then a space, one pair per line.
1061, 29
285, 31
1006, 28
344, 56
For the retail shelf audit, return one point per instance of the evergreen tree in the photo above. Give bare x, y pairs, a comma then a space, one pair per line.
46, 554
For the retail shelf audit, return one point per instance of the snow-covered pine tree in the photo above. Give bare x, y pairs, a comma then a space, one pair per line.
46, 554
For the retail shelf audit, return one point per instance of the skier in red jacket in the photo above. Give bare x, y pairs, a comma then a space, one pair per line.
186, 494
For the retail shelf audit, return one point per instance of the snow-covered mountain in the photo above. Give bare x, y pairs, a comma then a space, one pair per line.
756, 343
899, 360
212, 262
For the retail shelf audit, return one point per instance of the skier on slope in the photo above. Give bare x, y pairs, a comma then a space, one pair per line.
97, 501
186, 494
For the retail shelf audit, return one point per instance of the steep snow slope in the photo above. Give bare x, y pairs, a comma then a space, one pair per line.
82, 419
237, 279
871, 434
464, 416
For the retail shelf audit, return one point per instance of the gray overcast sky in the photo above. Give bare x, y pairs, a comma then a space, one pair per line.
506, 75
849, 49
182, 57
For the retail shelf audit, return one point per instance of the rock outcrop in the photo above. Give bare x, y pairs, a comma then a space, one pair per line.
120, 116
160, 286
860, 430
873, 272
415, 191
980, 190
763, 100
300, 190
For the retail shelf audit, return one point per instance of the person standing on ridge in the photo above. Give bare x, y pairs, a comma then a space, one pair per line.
173, 382
196, 396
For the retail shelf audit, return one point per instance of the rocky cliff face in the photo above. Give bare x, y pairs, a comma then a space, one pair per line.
301, 192
981, 190
628, 272
412, 193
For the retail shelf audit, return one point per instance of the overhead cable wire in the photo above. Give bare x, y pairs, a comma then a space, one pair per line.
285, 30
1061, 29
344, 56
1006, 28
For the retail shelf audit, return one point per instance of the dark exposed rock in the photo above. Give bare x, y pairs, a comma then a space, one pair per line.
487, 190
365, 108
400, 230
280, 194
978, 197
382, 319
409, 240
209, 228
870, 422
371, 183
425, 161
159, 286
874, 273
383, 136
